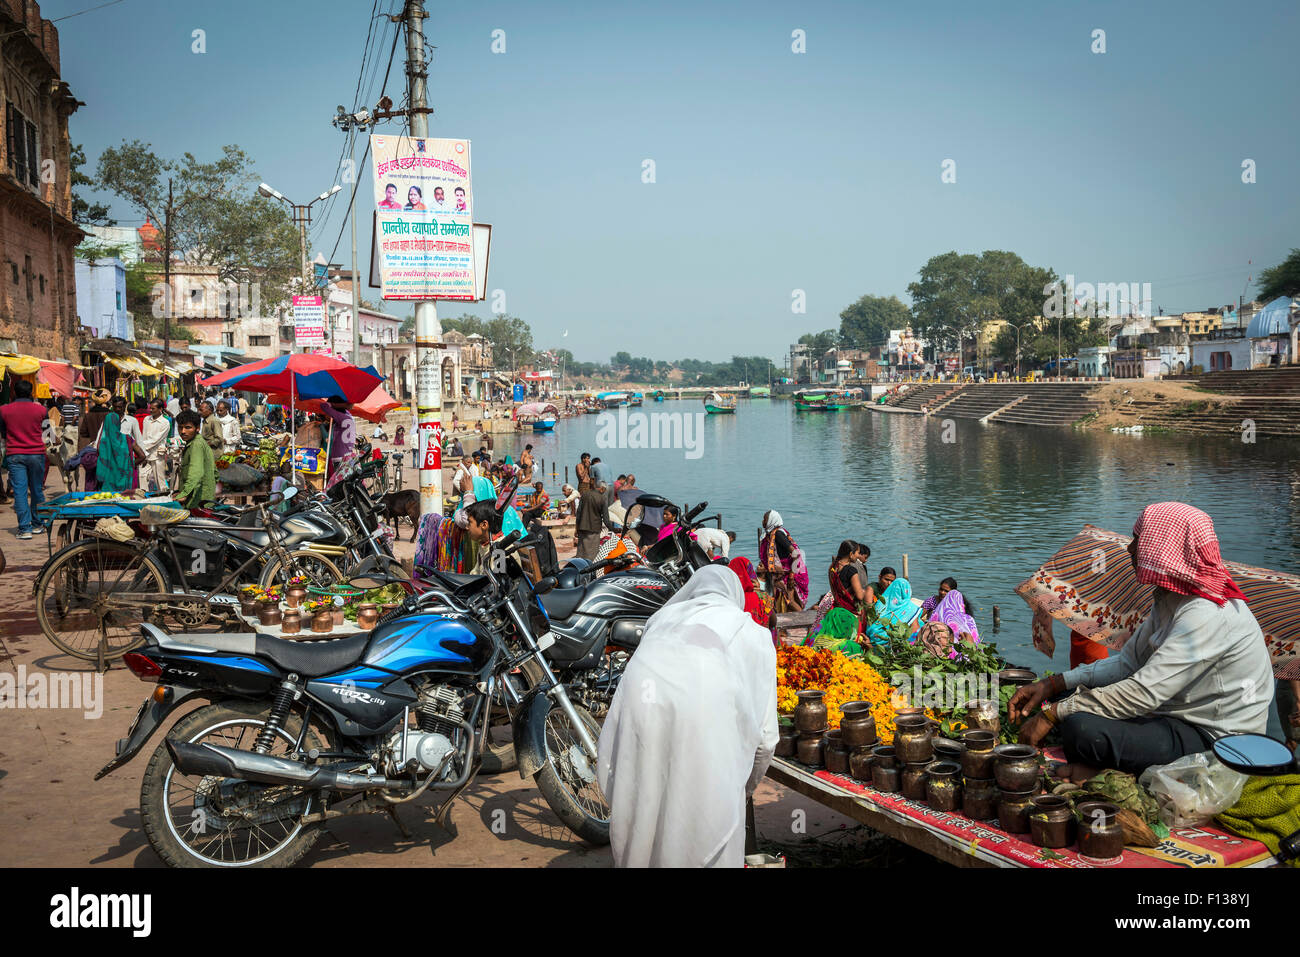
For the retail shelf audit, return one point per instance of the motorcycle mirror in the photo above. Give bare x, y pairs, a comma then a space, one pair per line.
1255, 754
288, 492
366, 582
696, 510
546, 584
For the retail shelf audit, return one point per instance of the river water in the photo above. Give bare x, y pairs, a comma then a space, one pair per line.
987, 506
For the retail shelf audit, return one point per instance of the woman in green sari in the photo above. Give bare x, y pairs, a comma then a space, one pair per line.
115, 468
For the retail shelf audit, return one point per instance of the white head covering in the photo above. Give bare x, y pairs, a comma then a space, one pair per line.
773, 520
691, 730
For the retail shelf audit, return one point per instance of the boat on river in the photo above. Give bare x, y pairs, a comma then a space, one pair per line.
613, 400
659, 395
541, 416
760, 392
636, 398
720, 403
819, 400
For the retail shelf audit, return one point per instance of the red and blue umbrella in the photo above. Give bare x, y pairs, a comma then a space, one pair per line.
301, 375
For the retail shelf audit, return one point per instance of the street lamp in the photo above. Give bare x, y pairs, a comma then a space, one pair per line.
1017, 327
301, 218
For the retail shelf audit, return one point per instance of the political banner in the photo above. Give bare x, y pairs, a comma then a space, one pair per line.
424, 218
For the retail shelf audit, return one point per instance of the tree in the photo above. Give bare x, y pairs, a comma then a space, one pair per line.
869, 321
1282, 279
85, 213
512, 340
206, 211
820, 342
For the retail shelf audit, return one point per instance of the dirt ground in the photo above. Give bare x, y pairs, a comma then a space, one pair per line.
53, 814
1116, 398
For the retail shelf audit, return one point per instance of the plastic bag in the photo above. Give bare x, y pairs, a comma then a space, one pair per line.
1193, 789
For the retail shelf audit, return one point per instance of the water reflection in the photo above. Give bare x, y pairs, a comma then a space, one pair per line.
986, 508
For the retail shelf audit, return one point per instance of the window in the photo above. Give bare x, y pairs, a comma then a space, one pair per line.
20, 142
119, 302
259, 340
228, 339
14, 267
27, 271
42, 283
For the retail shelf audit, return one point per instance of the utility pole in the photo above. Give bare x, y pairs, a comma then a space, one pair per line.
168, 298
428, 374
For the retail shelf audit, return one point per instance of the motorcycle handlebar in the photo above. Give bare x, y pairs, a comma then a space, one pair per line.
696, 510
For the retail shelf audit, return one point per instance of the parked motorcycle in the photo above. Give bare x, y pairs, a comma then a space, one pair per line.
296, 734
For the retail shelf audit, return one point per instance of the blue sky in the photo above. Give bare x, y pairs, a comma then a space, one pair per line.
775, 171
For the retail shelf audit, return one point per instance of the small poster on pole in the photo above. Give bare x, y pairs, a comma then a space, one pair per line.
308, 321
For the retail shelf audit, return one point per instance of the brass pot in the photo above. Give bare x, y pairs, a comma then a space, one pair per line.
860, 762
884, 756
291, 622
980, 799
1013, 810
1051, 821
785, 744
858, 725
977, 758
322, 622
946, 749
1101, 836
1015, 766
912, 739
982, 713
943, 786
836, 754
912, 781
884, 779
811, 749
367, 615
810, 712
269, 615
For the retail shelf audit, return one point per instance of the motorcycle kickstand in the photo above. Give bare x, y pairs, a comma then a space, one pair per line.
392, 812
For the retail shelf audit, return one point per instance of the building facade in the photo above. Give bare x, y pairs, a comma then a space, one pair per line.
38, 300
101, 299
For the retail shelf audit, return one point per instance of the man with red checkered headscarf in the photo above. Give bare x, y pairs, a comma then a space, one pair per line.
1195, 670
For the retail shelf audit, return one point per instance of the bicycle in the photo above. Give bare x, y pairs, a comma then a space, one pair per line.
92, 595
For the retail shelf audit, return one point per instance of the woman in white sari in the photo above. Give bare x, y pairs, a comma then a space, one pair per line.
691, 731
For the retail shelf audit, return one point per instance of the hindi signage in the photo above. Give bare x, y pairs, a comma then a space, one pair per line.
308, 321
424, 218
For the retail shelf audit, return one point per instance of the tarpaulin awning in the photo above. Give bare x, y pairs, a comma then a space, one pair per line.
537, 409
133, 366
20, 365
372, 408
61, 377
1090, 586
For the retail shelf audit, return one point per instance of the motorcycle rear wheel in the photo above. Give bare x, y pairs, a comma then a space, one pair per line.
569, 781
179, 834
314, 565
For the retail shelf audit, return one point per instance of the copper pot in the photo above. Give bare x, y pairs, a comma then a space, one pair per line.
785, 744
942, 786
367, 615
860, 762
977, 758
291, 622
858, 724
1013, 810
912, 739
836, 754
884, 779
1051, 821
294, 595
884, 756
810, 712
322, 622
1015, 766
980, 799
946, 749
912, 781
810, 749
269, 615
249, 606
1101, 836
982, 713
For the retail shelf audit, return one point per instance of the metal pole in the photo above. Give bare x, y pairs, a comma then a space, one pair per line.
356, 282
168, 299
428, 377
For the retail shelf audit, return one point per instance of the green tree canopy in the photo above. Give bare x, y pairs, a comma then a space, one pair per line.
868, 321
1282, 279
85, 213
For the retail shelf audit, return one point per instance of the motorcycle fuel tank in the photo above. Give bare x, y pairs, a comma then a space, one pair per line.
430, 642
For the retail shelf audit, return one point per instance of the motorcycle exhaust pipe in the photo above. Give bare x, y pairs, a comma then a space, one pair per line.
212, 759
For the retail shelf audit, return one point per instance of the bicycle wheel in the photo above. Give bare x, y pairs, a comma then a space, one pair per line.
83, 598
318, 569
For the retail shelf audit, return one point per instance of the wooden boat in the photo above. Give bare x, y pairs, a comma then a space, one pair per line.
659, 395
636, 398
718, 403
852, 398
760, 392
613, 400
817, 400
540, 415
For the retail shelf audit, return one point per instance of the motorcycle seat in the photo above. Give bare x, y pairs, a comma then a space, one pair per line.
455, 580
311, 659
560, 603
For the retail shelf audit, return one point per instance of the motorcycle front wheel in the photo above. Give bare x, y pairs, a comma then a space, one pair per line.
568, 780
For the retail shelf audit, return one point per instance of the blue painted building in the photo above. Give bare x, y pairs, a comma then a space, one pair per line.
101, 299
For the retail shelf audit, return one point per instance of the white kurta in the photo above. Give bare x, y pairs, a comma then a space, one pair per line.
691, 731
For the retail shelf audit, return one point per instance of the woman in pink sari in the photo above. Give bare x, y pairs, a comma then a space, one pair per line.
781, 560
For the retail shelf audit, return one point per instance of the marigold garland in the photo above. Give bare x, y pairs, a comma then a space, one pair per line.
843, 679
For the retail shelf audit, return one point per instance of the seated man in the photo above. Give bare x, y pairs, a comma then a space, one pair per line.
1195, 670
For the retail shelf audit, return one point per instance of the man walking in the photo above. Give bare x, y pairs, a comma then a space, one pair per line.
592, 517
22, 421
154, 444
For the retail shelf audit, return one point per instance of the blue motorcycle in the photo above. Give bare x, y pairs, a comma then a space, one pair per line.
294, 734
